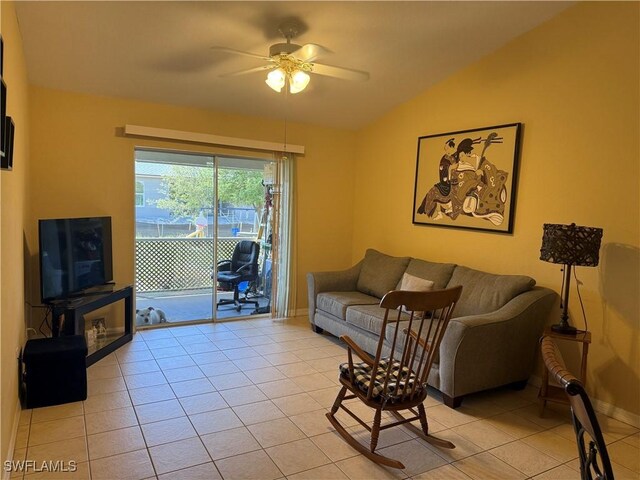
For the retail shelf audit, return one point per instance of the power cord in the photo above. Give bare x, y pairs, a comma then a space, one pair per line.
562, 288
584, 315
48, 310
45, 321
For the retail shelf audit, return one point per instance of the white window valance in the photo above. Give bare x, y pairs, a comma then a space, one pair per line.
209, 139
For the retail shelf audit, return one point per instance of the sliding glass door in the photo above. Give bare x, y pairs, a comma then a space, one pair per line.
243, 267
197, 218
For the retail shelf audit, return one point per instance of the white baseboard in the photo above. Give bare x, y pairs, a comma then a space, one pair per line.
616, 412
604, 408
12, 443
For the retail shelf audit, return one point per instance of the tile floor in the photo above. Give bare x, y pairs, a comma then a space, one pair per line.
246, 400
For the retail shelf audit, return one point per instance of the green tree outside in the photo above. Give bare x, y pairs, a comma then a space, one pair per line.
242, 188
189, 190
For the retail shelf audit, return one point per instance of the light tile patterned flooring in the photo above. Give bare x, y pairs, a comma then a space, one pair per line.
247, 400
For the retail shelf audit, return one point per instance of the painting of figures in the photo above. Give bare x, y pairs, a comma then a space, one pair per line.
467, 179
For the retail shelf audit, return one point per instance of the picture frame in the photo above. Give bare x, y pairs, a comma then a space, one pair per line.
100, 328
6, 161
468, 179
3, 116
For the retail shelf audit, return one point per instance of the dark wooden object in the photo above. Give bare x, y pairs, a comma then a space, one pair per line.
550, 393
415, 339
594, 458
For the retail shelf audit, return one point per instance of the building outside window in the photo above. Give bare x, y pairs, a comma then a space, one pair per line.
139, 194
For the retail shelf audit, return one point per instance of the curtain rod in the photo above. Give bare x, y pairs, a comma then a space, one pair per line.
167, 134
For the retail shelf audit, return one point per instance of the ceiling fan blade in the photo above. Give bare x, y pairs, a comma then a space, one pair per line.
248, 70
240, 52
310, 51
340, 72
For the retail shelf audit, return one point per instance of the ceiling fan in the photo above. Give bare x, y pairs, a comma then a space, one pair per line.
289, 63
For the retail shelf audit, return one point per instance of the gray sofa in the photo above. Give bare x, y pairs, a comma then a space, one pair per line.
491, 340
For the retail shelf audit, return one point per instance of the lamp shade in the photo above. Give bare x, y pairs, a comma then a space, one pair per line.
570, 244
276, 79
298, 81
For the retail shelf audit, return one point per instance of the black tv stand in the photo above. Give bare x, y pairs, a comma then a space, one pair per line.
97, 290
68, 319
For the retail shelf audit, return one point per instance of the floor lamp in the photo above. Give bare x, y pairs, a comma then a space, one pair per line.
570, 245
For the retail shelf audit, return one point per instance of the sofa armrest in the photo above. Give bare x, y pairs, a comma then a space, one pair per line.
479, 352
338, 281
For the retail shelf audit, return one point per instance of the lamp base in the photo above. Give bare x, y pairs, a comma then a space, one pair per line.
564, 329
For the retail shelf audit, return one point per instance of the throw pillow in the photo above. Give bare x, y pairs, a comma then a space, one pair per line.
415, 284
380, 273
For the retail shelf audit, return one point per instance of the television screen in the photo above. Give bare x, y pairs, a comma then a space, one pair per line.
75, 255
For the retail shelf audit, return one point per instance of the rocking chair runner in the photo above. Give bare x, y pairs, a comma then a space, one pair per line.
594, 458
396, 379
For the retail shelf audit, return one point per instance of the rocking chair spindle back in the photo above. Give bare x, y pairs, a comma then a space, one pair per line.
396, 378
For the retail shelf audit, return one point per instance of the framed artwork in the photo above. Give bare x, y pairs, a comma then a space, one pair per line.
3, 116
6, 161
467, 179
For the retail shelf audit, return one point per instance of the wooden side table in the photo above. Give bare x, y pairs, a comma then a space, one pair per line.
551, 393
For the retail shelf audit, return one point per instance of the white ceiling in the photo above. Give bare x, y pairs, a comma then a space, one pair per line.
160, 51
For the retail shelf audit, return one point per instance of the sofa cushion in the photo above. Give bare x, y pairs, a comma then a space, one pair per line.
400, 379
484, 292
336, 303
438, 273
380, 273
388, 336
368, 317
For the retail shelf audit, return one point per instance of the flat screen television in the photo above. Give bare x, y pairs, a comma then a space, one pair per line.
75, 256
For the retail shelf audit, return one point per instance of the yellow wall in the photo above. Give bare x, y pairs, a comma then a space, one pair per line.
83, 166
14, 226
573, 83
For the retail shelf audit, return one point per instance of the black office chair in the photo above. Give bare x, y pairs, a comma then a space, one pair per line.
243, 267
594, 458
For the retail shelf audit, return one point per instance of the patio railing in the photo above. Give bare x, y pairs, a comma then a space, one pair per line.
178, 263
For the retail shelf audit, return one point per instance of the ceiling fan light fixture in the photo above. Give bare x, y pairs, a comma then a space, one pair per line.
276, 79
298, 81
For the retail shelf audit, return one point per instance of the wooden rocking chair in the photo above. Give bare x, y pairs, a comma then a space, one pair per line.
594, 458
401, 370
